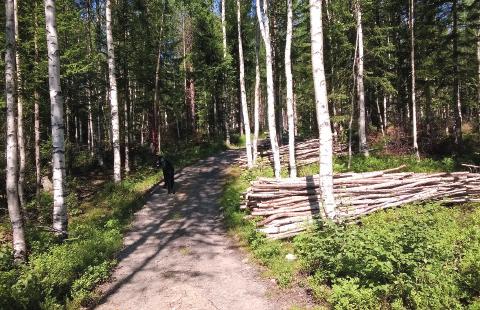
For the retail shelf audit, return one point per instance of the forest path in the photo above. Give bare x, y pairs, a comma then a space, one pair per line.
178, 256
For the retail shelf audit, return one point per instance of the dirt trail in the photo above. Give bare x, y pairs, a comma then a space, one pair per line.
177, 254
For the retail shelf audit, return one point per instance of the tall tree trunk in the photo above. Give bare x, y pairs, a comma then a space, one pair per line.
60, 220
478, 73
289, 82
256, 111
362, 135
412, 64
156, 98
117, 165
14, 211
262, 14
457, 109
321, 103
226, 116
243, 94
127, 133
20, 134
428, 107
36, 100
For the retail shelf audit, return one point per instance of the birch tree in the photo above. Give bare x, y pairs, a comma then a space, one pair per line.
362, 135
263, 21
60, 220
243, 94
226, 116
457, 107
20, 133
478, 70
256, 108
289, 83
117, 165
412, 66
321, 104
19, 245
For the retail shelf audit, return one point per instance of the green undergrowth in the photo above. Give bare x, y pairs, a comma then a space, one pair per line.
414, 257
269, 253
63, 275
422, 256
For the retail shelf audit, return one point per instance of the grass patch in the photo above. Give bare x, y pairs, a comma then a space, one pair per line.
269, 253
422, 256
59, 276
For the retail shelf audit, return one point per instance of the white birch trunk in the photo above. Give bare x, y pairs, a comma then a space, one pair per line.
246, 119
289, 84
478, 74
60, 219
20, 133
265, 30
36, 96
117, 165
226, 117
412, 64
321, 103
362, 135
156, 99
91, 132
256, 111
19, 245
127, 139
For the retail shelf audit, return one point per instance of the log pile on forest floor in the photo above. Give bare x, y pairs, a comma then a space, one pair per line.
306, 152
287, 205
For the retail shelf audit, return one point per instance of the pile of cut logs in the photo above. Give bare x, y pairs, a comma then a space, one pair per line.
306, 152
287, 205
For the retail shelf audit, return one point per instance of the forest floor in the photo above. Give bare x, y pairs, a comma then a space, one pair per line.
178, 255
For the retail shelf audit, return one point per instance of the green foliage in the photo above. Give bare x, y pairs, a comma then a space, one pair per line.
419, 256
64, 274
267, 252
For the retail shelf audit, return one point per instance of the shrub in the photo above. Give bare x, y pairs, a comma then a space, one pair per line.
419, 256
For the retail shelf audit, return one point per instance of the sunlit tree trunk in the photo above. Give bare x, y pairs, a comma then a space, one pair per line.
246, 119
321, 103
14, 211
60, 220
262, 14
117, 165
127, 135
226, 110
478, 72
20, 133
156, 99
412, 64
362, 134
289, 82
256, 110
457, 108
36, 103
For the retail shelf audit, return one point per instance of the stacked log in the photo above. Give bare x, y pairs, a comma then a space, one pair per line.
306, 152
287, 205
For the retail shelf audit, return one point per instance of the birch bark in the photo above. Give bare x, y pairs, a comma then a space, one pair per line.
226, 117
19, 245
362, 135
321, 103
412, 64
243, 94
289, 84
256, 108
262, 15
60, 220
117, 165
20, 133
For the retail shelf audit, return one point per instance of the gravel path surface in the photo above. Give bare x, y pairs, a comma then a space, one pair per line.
178, 256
